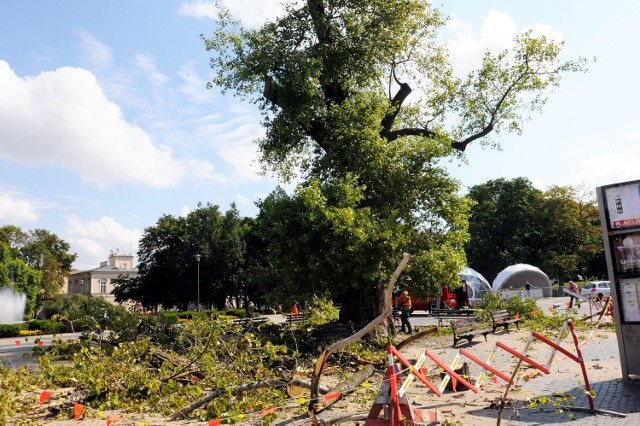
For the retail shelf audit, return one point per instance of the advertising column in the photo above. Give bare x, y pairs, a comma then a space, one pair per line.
620, 217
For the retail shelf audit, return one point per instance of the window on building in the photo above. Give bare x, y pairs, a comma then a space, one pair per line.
103, 286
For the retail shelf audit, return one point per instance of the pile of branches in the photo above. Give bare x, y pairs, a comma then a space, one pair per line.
207, 369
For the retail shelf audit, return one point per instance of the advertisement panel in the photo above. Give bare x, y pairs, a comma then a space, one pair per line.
620, 217
623, 203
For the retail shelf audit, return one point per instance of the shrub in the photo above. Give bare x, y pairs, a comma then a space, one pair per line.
235, 312
46, 326
11, 330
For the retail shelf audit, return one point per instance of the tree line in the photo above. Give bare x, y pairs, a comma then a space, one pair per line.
244, 259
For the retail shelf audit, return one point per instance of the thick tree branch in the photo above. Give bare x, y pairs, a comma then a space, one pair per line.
462, 145
396, 104
410, 131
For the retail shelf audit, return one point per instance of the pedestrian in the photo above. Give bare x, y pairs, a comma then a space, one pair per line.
527, 289
405, 310
573, 288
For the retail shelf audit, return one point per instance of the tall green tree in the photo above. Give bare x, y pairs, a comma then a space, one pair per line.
333, 79
17, 275
504, 225
43, 251
168, 272
513, 222
570, 231
49, 254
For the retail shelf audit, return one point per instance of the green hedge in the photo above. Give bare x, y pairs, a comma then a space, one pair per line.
11, 330
46, 326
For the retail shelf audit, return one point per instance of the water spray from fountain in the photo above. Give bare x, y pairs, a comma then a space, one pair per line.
11, 306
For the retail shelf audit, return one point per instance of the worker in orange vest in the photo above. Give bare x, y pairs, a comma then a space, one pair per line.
405, 310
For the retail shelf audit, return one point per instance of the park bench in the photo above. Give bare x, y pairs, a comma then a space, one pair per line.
466, 329
441, 313
504, 319
250, 322
295, 318
332, 330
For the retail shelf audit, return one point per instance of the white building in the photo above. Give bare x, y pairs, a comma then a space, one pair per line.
98, 282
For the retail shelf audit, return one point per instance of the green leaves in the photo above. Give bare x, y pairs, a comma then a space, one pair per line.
361, 104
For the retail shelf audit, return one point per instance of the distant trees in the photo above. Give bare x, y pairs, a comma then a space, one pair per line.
35, 263
167, 266
557, 230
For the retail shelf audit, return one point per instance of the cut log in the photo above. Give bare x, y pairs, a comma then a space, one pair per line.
347, 387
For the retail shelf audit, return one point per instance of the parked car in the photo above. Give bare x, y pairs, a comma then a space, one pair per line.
596, 289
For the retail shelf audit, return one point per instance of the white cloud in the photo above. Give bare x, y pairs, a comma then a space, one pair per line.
193, 85
15, 210
98, 53
95, 239
63, 118
252, 13
496, 34
203, 172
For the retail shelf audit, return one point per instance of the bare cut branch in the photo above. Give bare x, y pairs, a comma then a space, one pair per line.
223, 391
317, 371
396, 104
461, 146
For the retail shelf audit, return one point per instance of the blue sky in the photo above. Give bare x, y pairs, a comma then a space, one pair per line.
106, 124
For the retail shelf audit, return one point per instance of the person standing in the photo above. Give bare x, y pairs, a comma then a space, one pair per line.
405, 310
573, 288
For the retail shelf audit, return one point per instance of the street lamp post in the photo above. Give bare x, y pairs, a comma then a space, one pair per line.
198, 260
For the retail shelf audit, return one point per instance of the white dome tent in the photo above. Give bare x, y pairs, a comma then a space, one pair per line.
477, 285
513, 280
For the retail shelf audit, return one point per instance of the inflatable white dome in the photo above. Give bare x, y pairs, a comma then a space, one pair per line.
515, 277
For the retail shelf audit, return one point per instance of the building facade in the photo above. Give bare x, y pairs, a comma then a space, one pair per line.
98, 282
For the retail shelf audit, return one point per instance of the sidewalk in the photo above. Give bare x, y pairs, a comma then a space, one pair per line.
602, 363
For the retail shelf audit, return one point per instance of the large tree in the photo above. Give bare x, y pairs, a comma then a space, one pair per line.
504, 225
333, 79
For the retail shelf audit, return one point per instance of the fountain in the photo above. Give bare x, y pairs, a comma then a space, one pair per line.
11, 306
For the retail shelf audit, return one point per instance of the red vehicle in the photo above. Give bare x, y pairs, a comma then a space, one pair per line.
453, 298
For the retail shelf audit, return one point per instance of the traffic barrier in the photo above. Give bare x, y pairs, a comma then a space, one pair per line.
392, 401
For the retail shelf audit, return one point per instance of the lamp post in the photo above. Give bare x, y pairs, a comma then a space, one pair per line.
198, 260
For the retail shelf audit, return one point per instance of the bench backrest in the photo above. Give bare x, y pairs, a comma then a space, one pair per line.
500, 315
295, 317
463, 325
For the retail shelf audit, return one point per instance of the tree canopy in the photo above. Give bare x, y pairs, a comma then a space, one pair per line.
361, 103
35, 263
512, 222
168, 272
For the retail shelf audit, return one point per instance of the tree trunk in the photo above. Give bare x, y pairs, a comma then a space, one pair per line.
361, 306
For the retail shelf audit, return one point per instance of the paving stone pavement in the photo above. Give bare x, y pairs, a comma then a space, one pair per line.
602, 359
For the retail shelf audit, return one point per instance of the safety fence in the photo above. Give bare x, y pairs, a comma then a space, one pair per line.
392, 408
